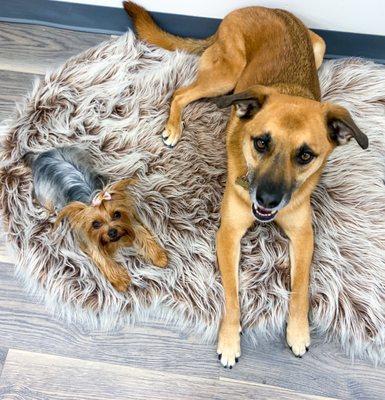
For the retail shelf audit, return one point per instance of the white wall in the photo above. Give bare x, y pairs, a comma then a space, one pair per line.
361, 16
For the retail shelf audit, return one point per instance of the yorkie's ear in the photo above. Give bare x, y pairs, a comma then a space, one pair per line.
121, 185
70, 211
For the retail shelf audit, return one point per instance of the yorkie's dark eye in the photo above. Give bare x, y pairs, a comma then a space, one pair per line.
117, 215
305, 157
96, 224
260, 145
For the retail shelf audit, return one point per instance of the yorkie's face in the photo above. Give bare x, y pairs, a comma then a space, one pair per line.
108, 222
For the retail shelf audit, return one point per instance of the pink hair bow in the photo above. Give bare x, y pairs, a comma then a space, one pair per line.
97, 200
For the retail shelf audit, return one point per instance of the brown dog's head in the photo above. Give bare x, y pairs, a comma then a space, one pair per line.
105, 222
285, 142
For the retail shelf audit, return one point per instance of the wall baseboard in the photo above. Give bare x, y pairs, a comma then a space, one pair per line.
109, 20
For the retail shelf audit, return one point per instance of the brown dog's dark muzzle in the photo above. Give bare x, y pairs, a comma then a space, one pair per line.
268, 197
269, 194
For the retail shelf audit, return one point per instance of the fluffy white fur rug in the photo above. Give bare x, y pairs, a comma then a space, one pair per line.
116, 97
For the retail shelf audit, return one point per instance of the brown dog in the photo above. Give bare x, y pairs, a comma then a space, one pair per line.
278, 140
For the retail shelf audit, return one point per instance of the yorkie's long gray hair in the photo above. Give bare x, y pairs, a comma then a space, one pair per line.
64, 175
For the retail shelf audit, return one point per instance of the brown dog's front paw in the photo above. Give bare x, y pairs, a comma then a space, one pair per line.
229, 345
121, 282
171, 135
298, 337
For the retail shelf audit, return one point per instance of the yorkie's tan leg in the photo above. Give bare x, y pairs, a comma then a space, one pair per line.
148, 248
115, 273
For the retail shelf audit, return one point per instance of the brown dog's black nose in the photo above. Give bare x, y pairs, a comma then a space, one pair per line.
112, 233
268, 200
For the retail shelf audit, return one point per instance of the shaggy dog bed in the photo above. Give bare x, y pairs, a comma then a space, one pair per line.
115, 98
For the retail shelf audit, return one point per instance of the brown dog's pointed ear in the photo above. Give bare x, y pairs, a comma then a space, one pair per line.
69, 211
246, 103
121, 185
342, 128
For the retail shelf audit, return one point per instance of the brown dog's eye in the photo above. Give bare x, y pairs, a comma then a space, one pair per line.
305, 157
117, 215
96, 224
260, 145
262, 142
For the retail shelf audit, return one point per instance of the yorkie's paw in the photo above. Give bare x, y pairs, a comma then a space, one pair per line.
161, 259
122, 282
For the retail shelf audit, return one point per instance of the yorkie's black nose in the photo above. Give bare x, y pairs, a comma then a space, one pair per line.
112, 233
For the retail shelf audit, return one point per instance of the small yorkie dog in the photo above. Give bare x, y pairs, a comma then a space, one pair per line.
102, 217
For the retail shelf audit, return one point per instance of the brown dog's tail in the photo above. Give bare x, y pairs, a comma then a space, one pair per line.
147, 29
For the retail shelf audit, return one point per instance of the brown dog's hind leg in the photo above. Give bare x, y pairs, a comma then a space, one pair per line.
298, 227
218, 74
148, 247
319, 48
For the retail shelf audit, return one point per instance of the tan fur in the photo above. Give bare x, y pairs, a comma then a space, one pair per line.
148, 30
237, 56
270, 60
97, 244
